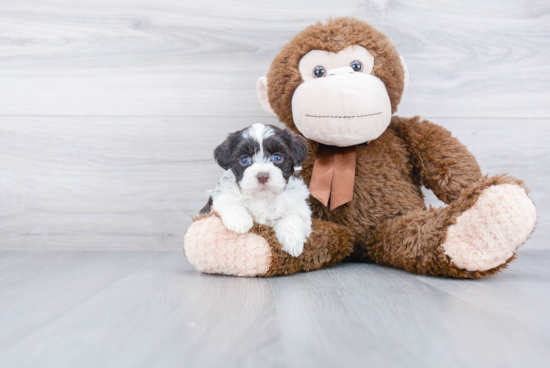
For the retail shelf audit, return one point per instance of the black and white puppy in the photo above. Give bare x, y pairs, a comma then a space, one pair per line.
259, 184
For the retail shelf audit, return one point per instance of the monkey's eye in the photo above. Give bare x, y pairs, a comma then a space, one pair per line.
319, 72
278, 158
245, 161
356, 65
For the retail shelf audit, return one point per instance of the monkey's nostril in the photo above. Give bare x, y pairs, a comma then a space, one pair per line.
263, 177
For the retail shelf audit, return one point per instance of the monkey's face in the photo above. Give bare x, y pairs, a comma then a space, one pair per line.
337, 82
340, 102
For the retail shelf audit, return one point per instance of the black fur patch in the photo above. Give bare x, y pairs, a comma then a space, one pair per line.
298, 146
223, 153
245, 147
207, 207
276, 144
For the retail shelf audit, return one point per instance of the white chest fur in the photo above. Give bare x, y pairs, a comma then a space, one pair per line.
288, 213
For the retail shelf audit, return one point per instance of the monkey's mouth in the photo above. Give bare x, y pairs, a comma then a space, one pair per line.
342, 117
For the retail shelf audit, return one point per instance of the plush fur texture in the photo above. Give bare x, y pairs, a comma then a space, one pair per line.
212, 248
486, 218
414, 241
486, 235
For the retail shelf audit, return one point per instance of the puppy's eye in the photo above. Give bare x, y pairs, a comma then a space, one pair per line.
277, 158
356, 65
245, 161
319, 72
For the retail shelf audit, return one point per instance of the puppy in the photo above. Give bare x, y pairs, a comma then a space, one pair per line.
259, 184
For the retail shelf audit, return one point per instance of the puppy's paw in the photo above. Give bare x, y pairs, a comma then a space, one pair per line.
292, 240
239, 223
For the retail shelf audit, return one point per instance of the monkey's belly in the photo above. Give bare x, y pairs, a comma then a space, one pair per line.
373, 204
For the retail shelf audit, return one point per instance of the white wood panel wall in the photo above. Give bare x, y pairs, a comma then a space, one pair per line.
110, 109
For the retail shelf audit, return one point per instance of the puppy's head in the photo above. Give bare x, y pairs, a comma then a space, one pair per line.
262, 157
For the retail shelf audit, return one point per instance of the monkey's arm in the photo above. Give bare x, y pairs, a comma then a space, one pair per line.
440, 162
211, 248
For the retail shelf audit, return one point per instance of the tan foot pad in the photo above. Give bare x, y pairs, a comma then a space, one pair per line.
212, 248
486, 235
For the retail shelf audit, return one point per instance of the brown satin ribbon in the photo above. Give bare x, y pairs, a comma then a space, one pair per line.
333, 175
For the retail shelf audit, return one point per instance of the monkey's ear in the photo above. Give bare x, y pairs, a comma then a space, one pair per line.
298, 147
261, 87
222, 153
406, 71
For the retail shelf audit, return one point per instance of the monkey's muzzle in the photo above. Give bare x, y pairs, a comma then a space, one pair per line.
343, 109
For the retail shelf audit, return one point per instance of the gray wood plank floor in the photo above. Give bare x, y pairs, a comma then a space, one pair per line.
152, 309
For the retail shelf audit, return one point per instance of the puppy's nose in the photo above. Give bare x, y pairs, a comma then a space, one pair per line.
263, 177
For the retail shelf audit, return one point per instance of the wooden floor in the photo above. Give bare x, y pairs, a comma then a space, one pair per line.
152, 309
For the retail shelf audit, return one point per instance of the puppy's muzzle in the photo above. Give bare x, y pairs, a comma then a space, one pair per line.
262, 177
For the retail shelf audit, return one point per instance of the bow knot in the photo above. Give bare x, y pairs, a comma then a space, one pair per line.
333, 176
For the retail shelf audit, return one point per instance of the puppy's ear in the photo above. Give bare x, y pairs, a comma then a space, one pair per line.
298, 146
222, 153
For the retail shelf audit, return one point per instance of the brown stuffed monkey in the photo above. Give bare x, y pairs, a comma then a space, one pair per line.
338, 84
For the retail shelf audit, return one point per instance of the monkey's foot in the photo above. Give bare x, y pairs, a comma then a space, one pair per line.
486, 235
211, 248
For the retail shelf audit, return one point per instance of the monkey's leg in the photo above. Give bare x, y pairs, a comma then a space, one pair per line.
212, 248
473, 237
